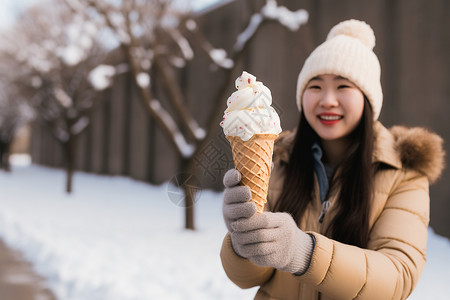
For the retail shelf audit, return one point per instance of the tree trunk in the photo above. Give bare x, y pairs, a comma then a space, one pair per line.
190, 188
1, 153
4, 156
69, 149
189, 198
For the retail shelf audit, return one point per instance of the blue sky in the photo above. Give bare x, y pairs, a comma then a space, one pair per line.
11, 8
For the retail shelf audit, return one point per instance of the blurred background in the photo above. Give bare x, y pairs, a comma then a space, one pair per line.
136, 89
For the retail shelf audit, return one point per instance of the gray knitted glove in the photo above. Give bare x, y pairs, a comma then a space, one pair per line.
236, 198
274, 240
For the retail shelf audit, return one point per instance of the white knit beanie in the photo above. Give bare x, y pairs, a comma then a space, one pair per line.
347, 52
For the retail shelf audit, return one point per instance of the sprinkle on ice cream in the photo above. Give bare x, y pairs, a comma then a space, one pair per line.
249, 110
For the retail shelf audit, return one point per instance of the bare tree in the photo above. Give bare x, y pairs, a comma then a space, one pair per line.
14, 112
159, 35
54, 53
14, 109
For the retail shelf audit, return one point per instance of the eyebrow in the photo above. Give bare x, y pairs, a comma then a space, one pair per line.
337, 77
340, 78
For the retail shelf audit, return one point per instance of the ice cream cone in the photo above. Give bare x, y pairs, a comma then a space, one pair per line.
253, 158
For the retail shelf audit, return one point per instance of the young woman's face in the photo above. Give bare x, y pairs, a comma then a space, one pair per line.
333, 106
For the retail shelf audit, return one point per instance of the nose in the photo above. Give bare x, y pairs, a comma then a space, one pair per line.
329, 99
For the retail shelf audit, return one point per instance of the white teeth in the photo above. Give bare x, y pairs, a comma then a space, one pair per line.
330, 118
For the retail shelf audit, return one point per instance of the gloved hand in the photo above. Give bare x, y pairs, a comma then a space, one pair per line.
236, 199
274, 240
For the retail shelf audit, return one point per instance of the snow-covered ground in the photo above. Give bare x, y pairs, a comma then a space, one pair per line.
115, 238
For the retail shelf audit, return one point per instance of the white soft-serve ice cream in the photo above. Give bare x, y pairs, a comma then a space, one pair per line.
251, 126
249, 110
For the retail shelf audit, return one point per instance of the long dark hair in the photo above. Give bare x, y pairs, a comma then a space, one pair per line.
354, 182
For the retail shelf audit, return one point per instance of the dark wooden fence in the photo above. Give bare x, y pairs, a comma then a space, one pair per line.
413, 45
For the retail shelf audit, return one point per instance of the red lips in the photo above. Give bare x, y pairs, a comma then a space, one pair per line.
329, 118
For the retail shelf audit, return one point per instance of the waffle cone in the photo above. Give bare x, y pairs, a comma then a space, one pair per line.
253, 158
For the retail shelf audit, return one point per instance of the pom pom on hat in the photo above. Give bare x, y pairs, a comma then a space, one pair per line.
357, 29
347, 52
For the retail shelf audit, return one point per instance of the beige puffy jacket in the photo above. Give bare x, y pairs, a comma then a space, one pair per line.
396, 254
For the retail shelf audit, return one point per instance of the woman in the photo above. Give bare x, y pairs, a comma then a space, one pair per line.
348, 202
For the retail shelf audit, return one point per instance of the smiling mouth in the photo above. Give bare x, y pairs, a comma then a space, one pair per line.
330, 117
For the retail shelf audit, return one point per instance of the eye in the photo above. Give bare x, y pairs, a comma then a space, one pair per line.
344, 86
314, 87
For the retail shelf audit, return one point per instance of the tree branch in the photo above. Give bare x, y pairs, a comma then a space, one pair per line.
161, 116
177, 100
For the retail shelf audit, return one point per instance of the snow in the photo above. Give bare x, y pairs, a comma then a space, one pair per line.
177, 62
79, 34
80, 125
154, 104
271, 11
185, 148
244, 36
290, 19
36, 81
63, 98
191, 25
183, 44
146, 64
143, 80
115, 238
123, 36
219, 56
20, 160
39, 60
100, 76
72, 55
199, 132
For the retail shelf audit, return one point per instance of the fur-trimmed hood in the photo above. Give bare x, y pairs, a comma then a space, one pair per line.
401, 147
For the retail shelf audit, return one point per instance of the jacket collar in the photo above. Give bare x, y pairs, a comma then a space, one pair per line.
385, 150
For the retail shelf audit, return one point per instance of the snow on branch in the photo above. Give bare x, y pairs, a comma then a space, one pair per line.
177, 62
80, 35
199, 132
244, 36
100, 77
184, 148
219, 56
62, 97
143, 80
118, 22
183, 44
191, 25
291, 19
271, 11
80, 125
143, 56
